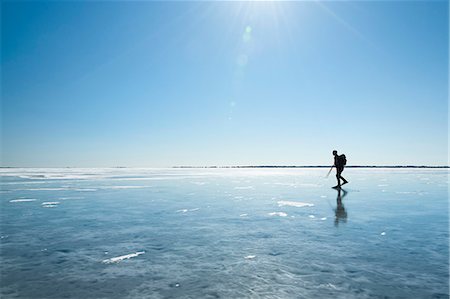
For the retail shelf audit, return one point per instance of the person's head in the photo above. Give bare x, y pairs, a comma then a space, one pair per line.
334, 152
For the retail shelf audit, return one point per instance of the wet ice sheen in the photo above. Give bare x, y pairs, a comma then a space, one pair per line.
223, 233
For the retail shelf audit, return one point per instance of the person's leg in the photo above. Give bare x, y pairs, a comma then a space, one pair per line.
340, 175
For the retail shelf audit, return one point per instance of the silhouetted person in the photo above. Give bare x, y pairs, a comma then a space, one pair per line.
341, 214
339, 163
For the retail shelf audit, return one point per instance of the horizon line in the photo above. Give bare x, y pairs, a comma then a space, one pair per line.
317, 166
250, 166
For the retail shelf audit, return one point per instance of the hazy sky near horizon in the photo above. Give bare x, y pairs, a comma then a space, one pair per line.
223, 83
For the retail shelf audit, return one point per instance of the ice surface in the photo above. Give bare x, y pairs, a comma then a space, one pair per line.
223, 233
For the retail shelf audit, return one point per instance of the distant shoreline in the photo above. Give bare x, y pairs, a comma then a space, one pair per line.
254, 166
316, 166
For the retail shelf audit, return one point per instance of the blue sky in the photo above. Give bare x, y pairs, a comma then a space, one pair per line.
157, 84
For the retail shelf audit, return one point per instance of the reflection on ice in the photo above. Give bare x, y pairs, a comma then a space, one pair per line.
340, 212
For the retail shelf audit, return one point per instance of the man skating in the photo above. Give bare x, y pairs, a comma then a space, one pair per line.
339, 163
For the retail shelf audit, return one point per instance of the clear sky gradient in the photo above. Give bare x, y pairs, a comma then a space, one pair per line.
157, 84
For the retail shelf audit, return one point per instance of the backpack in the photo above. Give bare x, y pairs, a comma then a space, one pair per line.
342, 160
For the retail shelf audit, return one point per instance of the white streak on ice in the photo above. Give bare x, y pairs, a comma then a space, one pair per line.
281, 214
50, 203
187, 210
297, 204
46, 189
122, 257
331, 286
49, 206
123, 187
22, 200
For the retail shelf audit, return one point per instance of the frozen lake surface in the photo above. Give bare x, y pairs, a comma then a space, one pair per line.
223, 233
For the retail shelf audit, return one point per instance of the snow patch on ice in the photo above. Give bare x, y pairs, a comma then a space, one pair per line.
297, 204
50, 203
49, 206
187, 210
244, 188
281, 214
22, 200
122, 257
